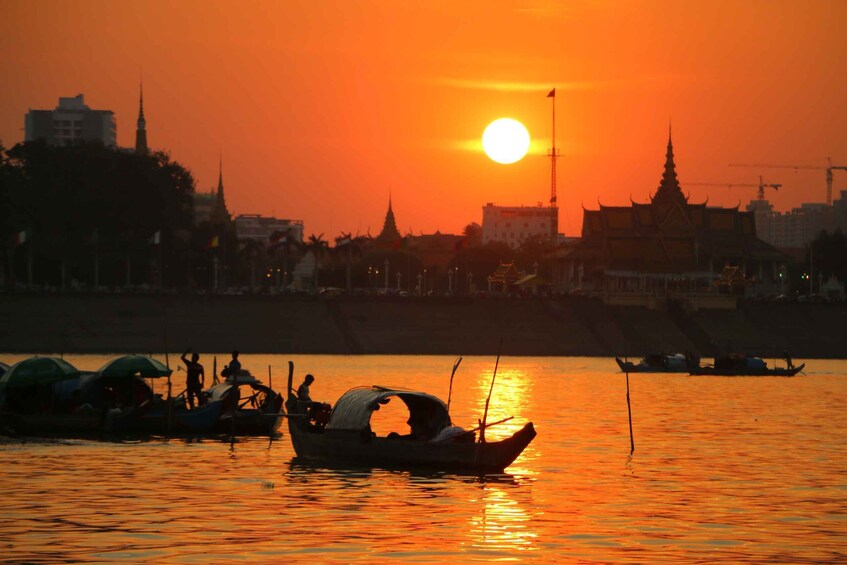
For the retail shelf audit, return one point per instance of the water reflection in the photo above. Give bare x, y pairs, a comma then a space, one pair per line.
729, 470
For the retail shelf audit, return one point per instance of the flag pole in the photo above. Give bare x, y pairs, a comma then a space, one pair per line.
554, 223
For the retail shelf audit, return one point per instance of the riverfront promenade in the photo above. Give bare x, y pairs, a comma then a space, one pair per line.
33, 323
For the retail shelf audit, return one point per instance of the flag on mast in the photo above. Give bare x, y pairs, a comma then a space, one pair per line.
552, 94
215, 242
156, 238
21, 237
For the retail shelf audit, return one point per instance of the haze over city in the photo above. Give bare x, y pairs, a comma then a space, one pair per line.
319, 110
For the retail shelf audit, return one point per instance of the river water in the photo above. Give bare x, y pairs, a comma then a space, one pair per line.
725, 468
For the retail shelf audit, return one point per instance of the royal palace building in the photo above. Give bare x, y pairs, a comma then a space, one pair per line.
669, 248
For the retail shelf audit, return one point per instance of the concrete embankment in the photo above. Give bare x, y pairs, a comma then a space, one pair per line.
265, 324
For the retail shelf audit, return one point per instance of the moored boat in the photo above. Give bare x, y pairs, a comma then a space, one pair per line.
345, 436
659, 363
249, 407
742, 366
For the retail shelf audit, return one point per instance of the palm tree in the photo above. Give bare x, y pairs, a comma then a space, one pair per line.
318, 246
250, 251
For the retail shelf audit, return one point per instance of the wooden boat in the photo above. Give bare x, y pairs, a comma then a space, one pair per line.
116, 400
741, 366
344, 436
255, 408
659, 363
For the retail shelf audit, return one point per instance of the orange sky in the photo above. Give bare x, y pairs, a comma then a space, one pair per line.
321, 107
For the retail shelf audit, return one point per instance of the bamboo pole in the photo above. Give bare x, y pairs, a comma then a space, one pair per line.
450, 393
629, 406
490, 390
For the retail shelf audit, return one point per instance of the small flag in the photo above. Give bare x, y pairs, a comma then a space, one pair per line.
156, 238
214, 243
21, 237
552, 94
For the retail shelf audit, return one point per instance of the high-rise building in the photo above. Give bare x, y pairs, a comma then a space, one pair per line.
796, 228
840, 207
69, 122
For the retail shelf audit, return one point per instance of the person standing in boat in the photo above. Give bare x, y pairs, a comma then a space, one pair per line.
788, 361
234, 368
195, 378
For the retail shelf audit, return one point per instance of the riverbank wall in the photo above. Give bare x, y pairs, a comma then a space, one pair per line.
393, 325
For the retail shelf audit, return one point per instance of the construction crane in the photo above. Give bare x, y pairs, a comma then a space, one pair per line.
760, 194
829, 168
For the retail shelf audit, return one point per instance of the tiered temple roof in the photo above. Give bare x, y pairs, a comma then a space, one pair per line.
669, 234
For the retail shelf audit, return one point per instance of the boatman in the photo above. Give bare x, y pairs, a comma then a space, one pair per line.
232, 370
195, 378
303, 390
788, 361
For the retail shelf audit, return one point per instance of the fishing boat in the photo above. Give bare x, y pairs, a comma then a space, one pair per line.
659, 363
742, 366
45, 396
344, 436
249, 407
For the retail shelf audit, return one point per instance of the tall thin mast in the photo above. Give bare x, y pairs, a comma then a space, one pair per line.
554, 210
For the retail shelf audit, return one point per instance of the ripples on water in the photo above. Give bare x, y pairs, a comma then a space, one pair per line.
730, 469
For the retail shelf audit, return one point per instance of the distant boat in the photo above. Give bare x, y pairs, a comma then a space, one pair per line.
659, 363
741, 366
345, 436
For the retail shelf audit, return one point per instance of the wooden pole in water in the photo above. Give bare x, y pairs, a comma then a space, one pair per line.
233, 393
215, 370
629, 410
170, 402
450, 393
490, 390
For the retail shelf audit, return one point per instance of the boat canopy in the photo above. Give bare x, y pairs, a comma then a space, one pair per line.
354, 409
220, 390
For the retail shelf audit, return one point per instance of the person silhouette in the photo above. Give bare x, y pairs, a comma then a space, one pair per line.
195, 378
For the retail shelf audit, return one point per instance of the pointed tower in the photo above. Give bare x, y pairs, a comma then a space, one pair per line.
389, 234
220, 215
141, 126
669, 191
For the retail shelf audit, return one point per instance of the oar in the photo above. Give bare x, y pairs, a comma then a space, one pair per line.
450, 393
490, 390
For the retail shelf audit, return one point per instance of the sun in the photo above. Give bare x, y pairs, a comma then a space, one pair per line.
505, 141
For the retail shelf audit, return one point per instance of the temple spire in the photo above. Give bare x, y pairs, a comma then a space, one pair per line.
220, 178
389, 233
220, 214
669, 189
141, 125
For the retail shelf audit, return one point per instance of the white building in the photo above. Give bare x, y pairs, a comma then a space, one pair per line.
259, 228
515, 224
69, 122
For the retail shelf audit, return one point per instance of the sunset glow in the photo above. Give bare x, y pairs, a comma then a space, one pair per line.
319, 109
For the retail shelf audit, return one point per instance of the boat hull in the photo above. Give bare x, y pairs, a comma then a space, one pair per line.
730, 372
363, 449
